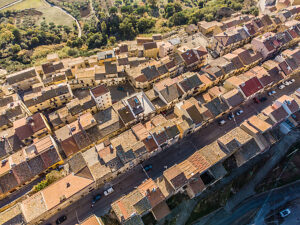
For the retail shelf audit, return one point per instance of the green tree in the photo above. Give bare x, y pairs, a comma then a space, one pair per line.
179, 19
15, 48
103, 27
144, 24
127, 29
112, 40
152, 3
17, 34
113, 10
34, 42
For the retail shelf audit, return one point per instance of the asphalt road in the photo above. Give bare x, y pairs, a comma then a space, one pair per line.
175, 154
276, 197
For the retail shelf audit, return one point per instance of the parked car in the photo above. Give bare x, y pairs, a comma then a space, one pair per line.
286, 83
96, 199
148, 167
221, 122
108, 191
271, 93
256, 100
120, 88
239, 112
292, 81
285, 212
61, 219
281, 86
262, 99
230, 116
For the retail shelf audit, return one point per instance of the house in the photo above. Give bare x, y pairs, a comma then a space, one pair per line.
139, 105
144, 135
35, 126
176, 177
128, 148
165, 48
12, 215
157, 37
143, 40
9, 142
266, 44
247, 57
288, 103
210, 28
102, 97
229, 40
227, 67
109, 156
168, 90
106, 56
239, 143
53, 57
92, 220
73, 137
40, 205
29, 162
131, 207
214, 108
191, 29
257, 127
233, 98
275, 113
22, 80
190, 83
48, 97
194, 58
190, 109
150, 50
282, 4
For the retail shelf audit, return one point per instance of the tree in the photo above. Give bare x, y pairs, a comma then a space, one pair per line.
16, 48
67, 29
127, 29
113, 10
152, 3
144, 24
34, 41
112, 40
179, 19
17, 34
103, 27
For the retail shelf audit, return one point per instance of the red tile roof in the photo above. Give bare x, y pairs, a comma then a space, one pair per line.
251, 86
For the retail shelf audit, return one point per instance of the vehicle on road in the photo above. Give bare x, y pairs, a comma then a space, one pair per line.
285, 212
108, 191
281, 86
292, 81
271, 93
263, 99
256, 100
148, 167
61, 219
239, 112
120, 88
96, 199
230, 116
221, 122
286, 83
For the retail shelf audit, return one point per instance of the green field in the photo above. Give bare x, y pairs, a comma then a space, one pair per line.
51, 14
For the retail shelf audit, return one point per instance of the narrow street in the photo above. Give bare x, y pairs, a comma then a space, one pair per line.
175, 154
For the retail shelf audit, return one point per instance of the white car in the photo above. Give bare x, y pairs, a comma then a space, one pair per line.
285, 212
286, 82
222, 122
281, 86
271, 93
292, 81
108, 191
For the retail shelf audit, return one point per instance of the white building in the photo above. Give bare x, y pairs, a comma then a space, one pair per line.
102, 97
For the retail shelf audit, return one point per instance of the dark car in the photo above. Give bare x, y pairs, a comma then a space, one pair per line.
263, 99
96, 199
61, 219
148, 167
255, 100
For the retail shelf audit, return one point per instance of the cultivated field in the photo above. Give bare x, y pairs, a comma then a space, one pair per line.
51, 14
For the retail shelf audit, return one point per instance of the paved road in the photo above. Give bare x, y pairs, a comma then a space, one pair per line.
175, 154
278, 196
11, 4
